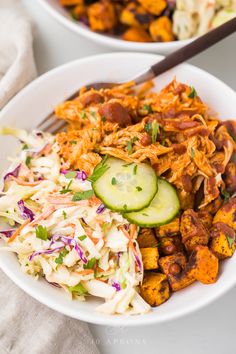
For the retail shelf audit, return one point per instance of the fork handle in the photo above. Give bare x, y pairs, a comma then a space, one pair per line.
195, 47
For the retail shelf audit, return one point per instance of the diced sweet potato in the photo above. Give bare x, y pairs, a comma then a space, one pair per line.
222, 240
135, 15
206, 218
150, 258
153, 6
135, 34
155, 289
214, 206
146, 238
227, 214
170, 245
168, 230
71, 2
192, 230
204, 265
179, 280
161, 30
101, 16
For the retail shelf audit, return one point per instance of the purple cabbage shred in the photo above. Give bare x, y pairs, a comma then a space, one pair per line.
26, 213
7, 233
116, 286
100, 209
13, 173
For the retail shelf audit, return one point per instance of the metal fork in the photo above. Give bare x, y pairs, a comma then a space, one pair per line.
53, 125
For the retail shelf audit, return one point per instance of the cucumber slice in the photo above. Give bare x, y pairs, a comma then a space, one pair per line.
125, 187
162, 209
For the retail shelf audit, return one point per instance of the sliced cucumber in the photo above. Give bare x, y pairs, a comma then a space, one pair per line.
125, 187
162, 209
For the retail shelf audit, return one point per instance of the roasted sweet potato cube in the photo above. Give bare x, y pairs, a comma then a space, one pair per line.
71, 2
170, 245
150, 258
155, 288
204, 265
153, 6
101, 16
222, 240
169, 229
161, 30
227, 214
146, 238
214, 206
177, 280
136, 34
192, 230
134, 15
206, 218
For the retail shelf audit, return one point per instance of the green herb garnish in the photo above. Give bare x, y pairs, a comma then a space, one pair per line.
104, 119
64, 215
83, 237
94, 114
193, 93
62, 254
79, 288
226, 195
125, 207
127, 164
66, 189
41, 232
82, 115
192, 153
113, 181
99, 170
70, 174
144, 214
155, 131
25, 147
230, 240
82, 195
73, 142
91, 263
135, 169
139, 189
28, 161
148, 127
147, 108
130, 144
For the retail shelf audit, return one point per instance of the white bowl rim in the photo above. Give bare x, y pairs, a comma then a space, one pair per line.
119, 320
163, 47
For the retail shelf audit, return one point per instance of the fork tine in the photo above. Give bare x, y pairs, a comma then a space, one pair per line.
60, 129
53, 125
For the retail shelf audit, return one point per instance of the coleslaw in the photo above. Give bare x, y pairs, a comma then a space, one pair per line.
60, 231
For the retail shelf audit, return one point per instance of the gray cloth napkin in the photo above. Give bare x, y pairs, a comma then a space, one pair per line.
26, 326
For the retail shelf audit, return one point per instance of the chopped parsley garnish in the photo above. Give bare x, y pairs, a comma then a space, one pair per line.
62, 254
139, 189
192, 153
113, 181
82, 195
104, 119
41, 232
148, 127
71, 174
94, 114
155, 131
193, 93
127, 164
226, 195
73, 142
147, 108
79, 288
99, 170
66, 189
82, 237
83, 115
230, 240
25, 147
64, 215
135, 169
130, 144
28, 160
125, 207
91, 263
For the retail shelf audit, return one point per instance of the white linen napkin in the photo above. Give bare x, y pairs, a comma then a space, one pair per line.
17, 65
26, 326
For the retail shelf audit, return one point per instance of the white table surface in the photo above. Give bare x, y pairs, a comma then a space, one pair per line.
211, 330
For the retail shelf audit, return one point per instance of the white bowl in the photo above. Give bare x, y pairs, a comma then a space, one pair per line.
54, 8
34, 102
